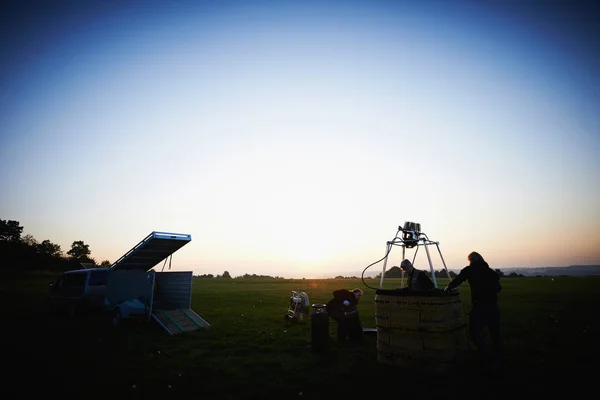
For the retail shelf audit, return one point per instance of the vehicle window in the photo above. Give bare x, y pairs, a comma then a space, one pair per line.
74, 279
98, 278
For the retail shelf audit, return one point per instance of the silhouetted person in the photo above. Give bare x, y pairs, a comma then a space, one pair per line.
343, 309
485, 286
417, 280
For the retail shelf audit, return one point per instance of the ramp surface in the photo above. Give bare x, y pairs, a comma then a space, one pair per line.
155, 248
180, 320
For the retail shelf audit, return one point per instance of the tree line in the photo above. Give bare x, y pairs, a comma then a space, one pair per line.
227, 275
25, 253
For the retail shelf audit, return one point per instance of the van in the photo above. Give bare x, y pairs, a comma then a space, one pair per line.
78, 291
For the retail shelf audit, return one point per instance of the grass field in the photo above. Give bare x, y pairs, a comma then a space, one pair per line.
550, 328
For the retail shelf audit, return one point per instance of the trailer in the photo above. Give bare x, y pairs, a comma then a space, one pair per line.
135, 289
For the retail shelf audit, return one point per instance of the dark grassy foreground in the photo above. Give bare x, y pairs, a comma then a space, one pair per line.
550, 327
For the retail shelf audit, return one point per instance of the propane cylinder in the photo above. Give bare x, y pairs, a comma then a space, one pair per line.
319, 328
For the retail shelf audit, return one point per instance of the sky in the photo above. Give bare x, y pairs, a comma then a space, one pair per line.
293, 138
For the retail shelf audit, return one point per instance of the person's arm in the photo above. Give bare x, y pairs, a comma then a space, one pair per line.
460, 278
341, 300
349, 302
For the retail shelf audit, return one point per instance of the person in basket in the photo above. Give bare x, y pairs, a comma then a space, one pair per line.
417, 280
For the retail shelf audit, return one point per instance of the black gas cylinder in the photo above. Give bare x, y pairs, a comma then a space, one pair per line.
319, 328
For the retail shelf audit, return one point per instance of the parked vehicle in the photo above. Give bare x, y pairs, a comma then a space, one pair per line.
131, 288
78, 291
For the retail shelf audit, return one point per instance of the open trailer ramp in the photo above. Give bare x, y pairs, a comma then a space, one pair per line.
153, 249
133, 288
179, 320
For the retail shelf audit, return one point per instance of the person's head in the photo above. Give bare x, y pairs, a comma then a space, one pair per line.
475, 258
357, 293
406, 266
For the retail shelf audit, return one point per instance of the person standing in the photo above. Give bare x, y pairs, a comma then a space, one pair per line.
342, 308
484, 283
417, 280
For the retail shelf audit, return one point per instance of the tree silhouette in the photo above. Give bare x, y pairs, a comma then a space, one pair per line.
29, 240
394, 272
80, 252
48, 248
226, 275
10, 231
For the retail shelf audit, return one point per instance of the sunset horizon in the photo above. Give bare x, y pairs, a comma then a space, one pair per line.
293, 138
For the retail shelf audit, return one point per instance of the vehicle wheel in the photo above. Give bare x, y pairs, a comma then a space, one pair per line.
117, 318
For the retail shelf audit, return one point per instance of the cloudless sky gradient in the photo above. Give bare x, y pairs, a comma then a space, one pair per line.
292, 138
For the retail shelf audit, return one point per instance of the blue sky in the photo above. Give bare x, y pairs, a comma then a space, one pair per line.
293, 138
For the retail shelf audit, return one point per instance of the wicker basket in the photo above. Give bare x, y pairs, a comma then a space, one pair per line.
420, 329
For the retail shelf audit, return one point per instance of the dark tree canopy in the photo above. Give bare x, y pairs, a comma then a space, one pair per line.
394, 272
226, 275
49, 248
10, 231
80, 252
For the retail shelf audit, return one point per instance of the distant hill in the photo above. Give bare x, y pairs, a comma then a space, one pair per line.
571, 270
